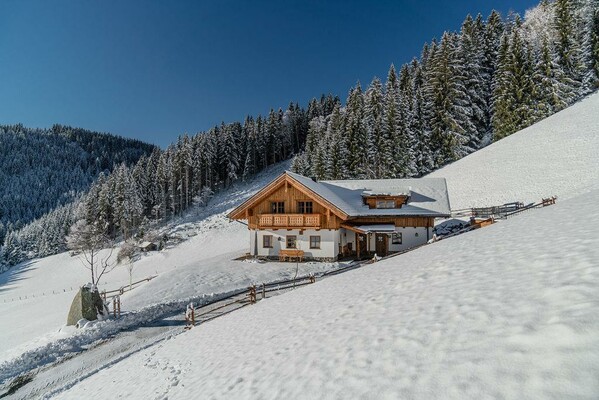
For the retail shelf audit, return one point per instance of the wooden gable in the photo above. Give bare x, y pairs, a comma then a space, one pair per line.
289, 191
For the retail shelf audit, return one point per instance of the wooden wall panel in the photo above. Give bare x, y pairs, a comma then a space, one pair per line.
290, 195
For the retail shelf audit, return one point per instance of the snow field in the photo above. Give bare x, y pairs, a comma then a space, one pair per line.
556, 156
192, 268
509, 311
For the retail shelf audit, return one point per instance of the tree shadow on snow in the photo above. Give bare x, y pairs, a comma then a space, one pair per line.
15, 274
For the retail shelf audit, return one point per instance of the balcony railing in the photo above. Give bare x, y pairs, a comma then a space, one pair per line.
289, 220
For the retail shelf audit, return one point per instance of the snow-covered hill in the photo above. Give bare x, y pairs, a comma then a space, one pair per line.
35, 296
509, 311
557, 156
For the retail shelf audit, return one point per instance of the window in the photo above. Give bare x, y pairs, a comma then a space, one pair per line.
291, 242
315, 242
277, 207
267, 241
305, 207
385, 204
396, 238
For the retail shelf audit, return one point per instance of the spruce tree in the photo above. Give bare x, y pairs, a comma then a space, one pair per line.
405, 139
470, 69
446, 110
391, 121
568, 47
355, 132
337, 156
373, 123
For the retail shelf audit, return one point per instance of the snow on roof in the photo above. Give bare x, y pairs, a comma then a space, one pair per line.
376, 228
403, 192
427, 196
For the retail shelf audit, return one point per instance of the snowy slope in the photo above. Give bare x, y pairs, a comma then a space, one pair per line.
35, 296
557, 156
509, 311
502, 312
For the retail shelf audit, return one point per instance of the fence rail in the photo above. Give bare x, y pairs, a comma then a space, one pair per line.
502, 211
244, 298
126, 288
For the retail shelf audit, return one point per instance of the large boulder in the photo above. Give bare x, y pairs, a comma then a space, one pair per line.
87, 304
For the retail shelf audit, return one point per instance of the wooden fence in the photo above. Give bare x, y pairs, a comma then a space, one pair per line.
502, 211
123, 289
251, 295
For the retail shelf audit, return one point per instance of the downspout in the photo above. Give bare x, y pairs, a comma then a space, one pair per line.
255, 242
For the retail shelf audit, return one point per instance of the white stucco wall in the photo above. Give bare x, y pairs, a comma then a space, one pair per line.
411, 237
347, 236
329, 242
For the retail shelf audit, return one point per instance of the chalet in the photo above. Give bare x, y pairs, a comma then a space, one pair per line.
326, 220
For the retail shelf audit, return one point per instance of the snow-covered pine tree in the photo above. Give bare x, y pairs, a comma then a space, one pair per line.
373, 123
250, 166
337, 156
391, 121
520, 59
595, 45
446, 95
492, 39
317, 129
584, 16
470, 66
422, 153
503, 95
405, 140
548, 91
569, 50
300, 165
355, 133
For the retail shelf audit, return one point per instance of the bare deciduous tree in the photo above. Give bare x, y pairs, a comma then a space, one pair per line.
88, 240
128, 253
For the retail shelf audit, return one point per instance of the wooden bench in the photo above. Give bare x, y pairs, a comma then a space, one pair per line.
291, 253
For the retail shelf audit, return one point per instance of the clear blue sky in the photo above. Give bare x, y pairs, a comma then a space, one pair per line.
156, 69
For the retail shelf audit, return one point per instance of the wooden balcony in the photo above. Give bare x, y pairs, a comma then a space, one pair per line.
289, 221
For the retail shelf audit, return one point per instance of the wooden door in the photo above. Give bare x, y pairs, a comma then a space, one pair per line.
381, 244
361, 248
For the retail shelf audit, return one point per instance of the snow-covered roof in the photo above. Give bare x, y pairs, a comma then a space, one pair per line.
427, 196
376, 228
402, 192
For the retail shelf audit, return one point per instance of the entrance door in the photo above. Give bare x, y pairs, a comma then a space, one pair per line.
361, 247
381, 244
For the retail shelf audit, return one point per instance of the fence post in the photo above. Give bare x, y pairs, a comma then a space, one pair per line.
114, 306
312, 278
119, 305
252, 293
263, 291
190, 319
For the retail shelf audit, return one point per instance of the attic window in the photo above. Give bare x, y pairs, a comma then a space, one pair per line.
385, 204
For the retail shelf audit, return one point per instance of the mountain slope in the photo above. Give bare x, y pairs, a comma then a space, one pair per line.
556, 156
203, 264
43, 168
502, 312
498, 313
